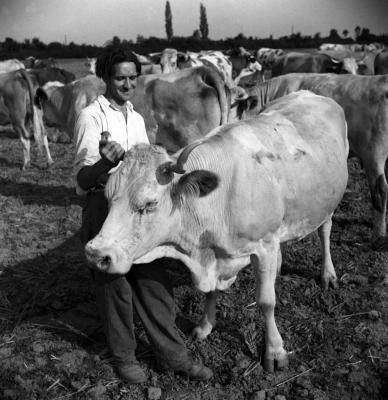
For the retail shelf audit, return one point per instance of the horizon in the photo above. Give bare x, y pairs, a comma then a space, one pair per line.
256, 18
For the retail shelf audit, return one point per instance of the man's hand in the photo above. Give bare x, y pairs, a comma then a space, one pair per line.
111, 151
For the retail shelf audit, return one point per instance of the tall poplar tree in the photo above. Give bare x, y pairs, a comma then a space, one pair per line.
203, 25
168, 24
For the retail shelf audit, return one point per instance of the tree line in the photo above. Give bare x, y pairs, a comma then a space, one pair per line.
199, 40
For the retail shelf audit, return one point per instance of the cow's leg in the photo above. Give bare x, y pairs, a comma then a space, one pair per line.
208, 320
265, 264
279, 261
375, 172
47, 151
17, 116
328, 275
26, 144
42, 128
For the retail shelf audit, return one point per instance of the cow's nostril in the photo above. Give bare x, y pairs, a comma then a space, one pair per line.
104, 263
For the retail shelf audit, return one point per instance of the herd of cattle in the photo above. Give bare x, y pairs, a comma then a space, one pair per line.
260, 164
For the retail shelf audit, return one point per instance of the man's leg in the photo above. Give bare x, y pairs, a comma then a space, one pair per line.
154, 301
114, 299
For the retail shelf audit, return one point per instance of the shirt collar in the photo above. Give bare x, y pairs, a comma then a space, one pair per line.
106, 103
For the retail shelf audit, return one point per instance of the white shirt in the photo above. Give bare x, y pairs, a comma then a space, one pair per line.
101, 116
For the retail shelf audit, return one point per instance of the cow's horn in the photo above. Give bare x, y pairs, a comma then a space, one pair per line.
183, 156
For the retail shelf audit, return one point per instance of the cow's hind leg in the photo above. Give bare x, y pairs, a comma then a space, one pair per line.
43, 133
208, 320
375, 172
47, 151
328, 275
26, 145
17, 116
265, 264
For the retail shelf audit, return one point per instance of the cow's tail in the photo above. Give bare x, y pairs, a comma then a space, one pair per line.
214, 79
36, 113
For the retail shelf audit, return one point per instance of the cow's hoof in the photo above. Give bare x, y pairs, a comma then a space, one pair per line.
275, 362
329, 281
26, 166
200, 333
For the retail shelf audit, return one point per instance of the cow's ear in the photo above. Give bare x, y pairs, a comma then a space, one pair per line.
182, 57
248, 104
198, 183
155, 57
251, 102
41, 94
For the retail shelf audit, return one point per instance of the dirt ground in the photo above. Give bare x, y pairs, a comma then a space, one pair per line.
52, 347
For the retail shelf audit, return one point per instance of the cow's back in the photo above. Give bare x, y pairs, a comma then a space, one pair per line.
304, 62
10, 65
178, 108
288, 166
381, 63
292, 62
363, 99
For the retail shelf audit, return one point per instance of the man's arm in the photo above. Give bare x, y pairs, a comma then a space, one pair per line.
94, 154
91, 175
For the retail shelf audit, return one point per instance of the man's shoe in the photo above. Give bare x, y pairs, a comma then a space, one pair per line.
131, 373
196, 371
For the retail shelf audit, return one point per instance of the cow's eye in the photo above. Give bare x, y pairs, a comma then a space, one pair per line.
148, 207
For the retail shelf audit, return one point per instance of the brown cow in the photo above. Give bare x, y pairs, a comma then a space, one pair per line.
307, 62
17, 93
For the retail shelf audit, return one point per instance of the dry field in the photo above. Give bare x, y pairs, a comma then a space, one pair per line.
52, 347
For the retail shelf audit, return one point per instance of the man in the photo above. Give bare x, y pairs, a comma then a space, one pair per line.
148, 285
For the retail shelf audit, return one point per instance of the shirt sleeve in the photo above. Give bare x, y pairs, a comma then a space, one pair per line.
87, 132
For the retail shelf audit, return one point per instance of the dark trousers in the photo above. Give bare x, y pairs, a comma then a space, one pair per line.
147, 287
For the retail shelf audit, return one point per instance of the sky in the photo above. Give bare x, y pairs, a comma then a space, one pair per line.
97, 21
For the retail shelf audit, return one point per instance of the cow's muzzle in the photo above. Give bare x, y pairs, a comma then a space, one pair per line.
98, 258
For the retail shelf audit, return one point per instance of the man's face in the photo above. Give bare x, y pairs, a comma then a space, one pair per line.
122, 82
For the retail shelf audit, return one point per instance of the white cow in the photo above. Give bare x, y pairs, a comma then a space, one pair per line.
229, 200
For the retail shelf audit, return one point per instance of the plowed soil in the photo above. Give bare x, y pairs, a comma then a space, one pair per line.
52, 347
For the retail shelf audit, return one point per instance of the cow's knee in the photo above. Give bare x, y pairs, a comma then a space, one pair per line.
379, 193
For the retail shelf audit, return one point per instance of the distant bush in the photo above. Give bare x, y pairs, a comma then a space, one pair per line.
34, 47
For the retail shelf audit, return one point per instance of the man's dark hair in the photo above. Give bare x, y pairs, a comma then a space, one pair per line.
113, 55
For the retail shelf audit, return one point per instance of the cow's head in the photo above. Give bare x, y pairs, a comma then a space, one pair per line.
168, 60
146, 197
91, 65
